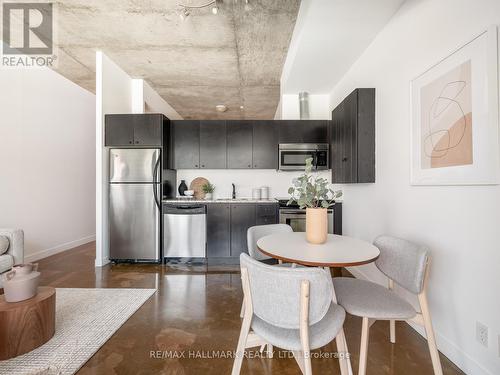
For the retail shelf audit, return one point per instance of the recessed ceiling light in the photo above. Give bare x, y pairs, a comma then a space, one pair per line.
241, 107
221, 108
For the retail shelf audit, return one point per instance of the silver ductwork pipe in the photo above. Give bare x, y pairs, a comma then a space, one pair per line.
304, 105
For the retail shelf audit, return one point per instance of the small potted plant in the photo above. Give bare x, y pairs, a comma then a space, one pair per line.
315, 195
208, 189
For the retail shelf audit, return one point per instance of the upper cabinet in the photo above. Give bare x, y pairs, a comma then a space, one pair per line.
265, 145
303, 131
135, 130
352, 138
252, 144
239, 144
186, 144
213, 144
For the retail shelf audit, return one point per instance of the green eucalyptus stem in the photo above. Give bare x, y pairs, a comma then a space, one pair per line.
312, 192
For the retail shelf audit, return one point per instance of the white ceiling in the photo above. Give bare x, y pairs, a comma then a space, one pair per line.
328, 38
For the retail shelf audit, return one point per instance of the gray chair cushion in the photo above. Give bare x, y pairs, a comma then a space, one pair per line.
6, 262
367, 299
402, 261
257, 232
320, 333
275, 292
4, 244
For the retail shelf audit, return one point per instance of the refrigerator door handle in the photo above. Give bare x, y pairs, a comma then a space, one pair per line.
155, 183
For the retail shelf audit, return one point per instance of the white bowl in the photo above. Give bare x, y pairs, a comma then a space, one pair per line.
189, 192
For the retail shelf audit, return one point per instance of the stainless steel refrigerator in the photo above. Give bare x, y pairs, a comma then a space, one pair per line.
134, 204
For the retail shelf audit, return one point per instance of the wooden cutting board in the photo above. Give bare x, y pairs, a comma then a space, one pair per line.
197, 185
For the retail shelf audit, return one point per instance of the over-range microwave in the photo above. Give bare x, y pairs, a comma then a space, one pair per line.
293, 156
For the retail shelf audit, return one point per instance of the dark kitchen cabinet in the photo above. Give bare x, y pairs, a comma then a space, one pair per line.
134, 129
266, 214
352, 138
186, 144
242, 218
218, 230
239, 144
265, 145
303, 131
119, 130
213, 144
147, 129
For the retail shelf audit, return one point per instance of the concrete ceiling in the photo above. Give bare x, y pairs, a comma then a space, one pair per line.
233, 58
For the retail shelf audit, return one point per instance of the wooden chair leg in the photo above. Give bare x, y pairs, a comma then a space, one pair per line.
392, 328
240, 350
299, 358
245, 325
363, 351
344, 361
429, 331
242, 311
269, 351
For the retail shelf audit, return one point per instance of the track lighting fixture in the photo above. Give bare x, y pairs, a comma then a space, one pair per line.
185, 8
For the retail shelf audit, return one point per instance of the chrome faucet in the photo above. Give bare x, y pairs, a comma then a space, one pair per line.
234, 191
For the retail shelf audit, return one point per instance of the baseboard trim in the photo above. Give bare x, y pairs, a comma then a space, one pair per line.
101, 262
461, 359
58, 249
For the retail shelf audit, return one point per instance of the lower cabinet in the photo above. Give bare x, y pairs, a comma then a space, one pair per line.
218, 230
242, 218
227, 226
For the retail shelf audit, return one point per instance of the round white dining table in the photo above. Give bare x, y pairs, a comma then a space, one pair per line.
337, 251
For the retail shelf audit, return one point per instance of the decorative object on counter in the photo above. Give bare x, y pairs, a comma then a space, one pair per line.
197, 186
264, 192
189, 193
208, 189
182, 187
256, 193
21, 282
314, 194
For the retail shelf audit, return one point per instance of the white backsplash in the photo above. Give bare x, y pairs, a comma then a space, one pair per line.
245, 180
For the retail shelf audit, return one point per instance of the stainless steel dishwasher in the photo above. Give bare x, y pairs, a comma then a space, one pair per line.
184, 231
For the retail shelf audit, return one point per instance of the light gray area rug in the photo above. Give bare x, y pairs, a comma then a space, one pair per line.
85, 320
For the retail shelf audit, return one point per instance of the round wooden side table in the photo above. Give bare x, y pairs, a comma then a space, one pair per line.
27, 324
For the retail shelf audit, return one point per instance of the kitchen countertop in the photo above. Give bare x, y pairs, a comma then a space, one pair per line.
228, 200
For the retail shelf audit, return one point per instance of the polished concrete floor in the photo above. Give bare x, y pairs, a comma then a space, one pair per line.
195, 313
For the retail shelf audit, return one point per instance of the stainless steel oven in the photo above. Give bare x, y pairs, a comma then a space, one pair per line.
293, 156
296, 218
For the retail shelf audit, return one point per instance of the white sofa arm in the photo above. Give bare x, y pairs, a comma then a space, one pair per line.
16, 247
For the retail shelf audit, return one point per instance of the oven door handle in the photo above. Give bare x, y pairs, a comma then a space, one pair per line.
292, 212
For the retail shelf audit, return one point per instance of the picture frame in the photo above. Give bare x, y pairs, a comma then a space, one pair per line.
454, 137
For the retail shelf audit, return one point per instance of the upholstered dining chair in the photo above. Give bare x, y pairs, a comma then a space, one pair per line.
253, 235
291, 308
406, 264
257, 232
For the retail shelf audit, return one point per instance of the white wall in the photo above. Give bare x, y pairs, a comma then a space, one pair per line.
459, 223
113, 95
329, 35
318, 107
47, 170
244, 180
